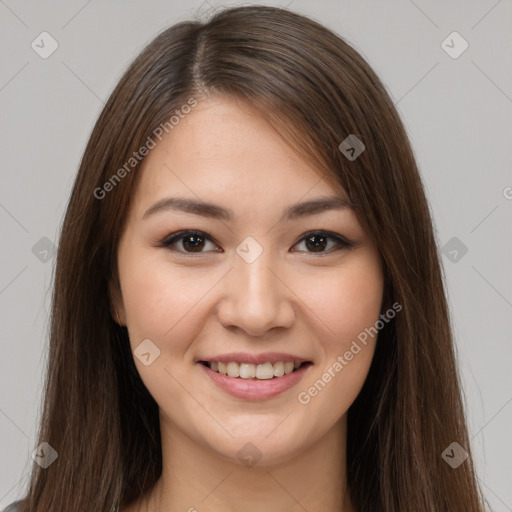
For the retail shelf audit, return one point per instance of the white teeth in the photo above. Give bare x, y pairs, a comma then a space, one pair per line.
288, 367
233, 369
260, 371
264, 371
247, 371
279, 369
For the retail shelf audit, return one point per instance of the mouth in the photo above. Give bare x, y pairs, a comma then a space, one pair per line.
249, 381
265, 371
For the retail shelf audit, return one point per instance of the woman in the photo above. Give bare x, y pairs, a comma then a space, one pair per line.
248, 310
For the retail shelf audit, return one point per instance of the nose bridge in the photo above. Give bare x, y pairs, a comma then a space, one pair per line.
256, 300
255, 278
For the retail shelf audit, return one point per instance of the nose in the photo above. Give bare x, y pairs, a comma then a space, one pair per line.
255, 297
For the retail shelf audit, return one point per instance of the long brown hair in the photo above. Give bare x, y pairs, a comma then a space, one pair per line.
316, 90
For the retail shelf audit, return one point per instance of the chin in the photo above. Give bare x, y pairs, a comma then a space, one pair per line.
262, 448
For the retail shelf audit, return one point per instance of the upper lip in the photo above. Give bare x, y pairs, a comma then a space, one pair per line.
244, 357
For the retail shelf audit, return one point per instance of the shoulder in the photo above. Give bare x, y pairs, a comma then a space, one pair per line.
13, 507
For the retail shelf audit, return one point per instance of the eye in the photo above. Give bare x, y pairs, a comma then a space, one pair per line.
193, 242
317, 241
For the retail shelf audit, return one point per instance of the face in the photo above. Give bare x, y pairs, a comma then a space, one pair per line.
245, 283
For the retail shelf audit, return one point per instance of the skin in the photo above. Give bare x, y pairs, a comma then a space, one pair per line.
290, 299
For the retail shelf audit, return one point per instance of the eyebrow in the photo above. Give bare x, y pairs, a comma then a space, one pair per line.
294, 211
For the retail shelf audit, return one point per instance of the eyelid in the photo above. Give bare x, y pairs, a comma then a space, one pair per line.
341, 242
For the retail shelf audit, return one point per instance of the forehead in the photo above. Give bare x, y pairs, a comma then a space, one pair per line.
224, 150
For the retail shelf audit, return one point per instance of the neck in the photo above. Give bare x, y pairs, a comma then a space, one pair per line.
197, 479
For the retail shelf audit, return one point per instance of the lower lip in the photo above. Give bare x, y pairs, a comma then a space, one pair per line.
255, 389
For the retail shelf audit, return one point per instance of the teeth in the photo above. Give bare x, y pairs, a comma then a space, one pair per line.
279, 369
288, 367
264, 371
258, 371
233, 369
247, 371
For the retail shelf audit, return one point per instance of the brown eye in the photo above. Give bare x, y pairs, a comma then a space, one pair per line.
318, 241
190, 242
194, 242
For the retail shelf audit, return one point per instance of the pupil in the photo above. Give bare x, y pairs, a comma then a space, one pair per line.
318, 246
196, 245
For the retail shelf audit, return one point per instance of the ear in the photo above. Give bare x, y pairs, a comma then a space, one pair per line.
116, 303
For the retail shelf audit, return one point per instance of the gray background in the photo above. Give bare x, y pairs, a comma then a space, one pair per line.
457, 112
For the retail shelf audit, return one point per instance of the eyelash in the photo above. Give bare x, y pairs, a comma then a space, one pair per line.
180, 235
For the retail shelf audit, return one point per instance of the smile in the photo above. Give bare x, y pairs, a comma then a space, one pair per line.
255, 381
263, 371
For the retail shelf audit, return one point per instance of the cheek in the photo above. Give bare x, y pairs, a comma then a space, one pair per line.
348, 306
346, 301
161, 304
159, 300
